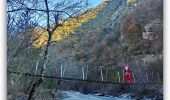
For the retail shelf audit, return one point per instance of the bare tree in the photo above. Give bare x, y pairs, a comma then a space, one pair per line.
57, 12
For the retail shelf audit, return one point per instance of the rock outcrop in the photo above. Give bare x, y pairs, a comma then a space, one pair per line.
153, 30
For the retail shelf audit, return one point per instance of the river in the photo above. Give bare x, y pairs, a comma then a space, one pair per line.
71, 95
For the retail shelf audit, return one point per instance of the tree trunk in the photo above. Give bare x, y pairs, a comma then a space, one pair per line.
37, 83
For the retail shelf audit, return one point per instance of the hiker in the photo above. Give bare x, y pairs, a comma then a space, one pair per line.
128, 71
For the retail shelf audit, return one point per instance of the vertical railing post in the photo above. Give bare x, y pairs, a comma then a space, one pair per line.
45, 65
147, 78
158, 77
61, 71
83, 73
36, 67
12, 82
87, 72
118, 76
56, 71
106, 76
123, 77
133, 78
152, 77
101, 72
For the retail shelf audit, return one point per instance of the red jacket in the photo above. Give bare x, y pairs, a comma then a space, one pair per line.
128, 71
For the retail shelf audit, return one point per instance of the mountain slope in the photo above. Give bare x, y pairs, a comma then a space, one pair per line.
111, 38
68, 27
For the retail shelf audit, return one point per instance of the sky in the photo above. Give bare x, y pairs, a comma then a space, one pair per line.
95, 2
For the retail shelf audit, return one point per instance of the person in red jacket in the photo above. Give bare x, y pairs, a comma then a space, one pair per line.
128, 71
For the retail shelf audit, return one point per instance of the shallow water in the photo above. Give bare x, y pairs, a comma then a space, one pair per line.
71, 95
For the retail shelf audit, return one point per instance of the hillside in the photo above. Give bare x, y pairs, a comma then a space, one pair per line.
68, 27
111, 38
